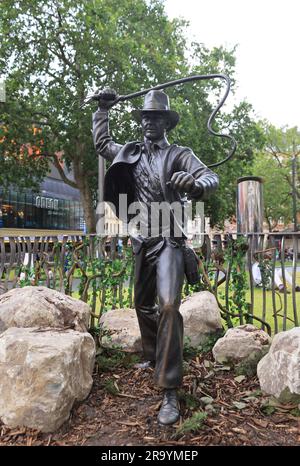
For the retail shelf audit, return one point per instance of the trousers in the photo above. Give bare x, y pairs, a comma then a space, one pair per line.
159, 275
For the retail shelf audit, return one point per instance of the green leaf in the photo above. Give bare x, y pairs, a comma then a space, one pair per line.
239, 404
206, 400
240, 378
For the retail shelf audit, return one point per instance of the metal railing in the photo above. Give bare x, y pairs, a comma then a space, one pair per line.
269, 293
92, 269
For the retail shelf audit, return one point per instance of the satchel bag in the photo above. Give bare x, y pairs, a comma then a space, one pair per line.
191, 265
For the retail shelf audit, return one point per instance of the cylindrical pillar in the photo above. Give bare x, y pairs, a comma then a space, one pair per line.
250, 209
2, 92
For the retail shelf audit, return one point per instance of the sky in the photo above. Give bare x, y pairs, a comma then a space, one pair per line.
268, 54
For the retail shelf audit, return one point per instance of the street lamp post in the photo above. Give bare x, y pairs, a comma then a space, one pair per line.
101, 214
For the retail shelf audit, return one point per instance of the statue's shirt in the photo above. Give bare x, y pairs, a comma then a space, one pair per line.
148, 191
147, 188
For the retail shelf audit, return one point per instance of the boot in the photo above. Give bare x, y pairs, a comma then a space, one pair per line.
169, 411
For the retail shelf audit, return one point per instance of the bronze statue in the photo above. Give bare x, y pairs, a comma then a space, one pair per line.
155, 171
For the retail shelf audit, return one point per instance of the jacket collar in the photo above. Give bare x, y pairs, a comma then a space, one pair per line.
161, 144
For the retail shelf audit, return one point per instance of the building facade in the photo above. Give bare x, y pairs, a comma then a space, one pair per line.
56, 206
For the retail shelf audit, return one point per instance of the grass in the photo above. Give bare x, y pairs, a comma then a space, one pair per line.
286, 264
192, 424
258, 306
111, 387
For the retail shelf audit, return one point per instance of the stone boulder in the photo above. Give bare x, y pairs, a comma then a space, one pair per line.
38, 306
42, 374
279, 370
201, 317
245, 344
121, 329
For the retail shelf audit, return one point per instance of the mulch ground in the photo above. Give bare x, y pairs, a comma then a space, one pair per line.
123, 405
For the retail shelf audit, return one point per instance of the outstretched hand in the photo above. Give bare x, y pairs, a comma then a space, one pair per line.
182, 181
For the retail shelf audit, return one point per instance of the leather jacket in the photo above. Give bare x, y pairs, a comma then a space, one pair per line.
171, 158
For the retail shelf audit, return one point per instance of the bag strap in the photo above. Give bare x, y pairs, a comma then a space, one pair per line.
145, 158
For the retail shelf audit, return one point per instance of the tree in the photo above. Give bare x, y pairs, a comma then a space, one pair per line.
53, 52
283, 148
250, 139
195, 104
20, 160
277, 199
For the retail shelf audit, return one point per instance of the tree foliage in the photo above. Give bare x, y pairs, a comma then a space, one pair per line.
277, 198
283, 145
21, 163
274, 163
53, 52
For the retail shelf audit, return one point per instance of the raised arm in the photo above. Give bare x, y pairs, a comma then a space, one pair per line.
103, 142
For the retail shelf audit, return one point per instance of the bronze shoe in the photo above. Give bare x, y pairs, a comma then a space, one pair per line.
169, 411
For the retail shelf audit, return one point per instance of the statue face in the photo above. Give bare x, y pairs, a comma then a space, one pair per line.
154, 125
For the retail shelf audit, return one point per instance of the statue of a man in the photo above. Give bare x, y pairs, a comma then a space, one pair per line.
154, 171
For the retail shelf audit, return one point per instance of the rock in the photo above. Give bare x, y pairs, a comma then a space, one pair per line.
243, 346
201, 317
123, 330
42, 374
279, 370
38, 306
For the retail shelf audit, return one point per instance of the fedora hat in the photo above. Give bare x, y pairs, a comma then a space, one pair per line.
157, 101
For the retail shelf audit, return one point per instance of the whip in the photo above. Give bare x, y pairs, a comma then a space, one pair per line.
199, 77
